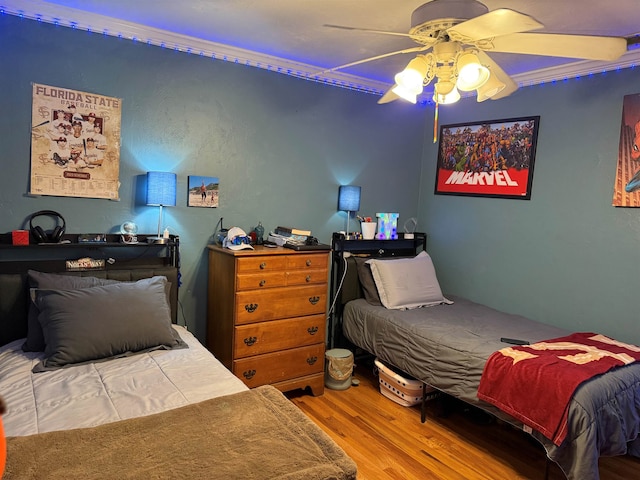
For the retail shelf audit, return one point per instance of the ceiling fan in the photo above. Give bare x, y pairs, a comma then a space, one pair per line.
456, 34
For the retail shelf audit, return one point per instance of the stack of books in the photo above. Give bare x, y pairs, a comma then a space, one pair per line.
292, 235
288, 231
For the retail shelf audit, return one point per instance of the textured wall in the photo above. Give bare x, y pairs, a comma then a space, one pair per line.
566, 256
280, 146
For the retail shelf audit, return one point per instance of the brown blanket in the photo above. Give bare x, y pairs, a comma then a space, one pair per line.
257, 434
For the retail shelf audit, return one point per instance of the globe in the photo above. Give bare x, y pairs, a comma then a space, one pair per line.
129, 228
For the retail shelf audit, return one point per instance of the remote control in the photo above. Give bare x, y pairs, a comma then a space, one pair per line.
514, 341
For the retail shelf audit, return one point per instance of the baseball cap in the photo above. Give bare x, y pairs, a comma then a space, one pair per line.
237, 239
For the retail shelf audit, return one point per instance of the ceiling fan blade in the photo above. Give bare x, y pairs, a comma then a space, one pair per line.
388, 96
494, 68
370, 30
559, 45
421, 48
493, 24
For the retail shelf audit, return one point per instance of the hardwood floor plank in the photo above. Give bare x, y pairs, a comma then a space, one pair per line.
388, 442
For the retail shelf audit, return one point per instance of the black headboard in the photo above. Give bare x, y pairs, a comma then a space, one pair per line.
345, 285
122, 262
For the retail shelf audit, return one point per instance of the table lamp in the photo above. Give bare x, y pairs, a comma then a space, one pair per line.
161, 191
349, 200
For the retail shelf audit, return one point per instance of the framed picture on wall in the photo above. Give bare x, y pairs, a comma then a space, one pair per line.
487, 159
75, 143
203, 191
626, 189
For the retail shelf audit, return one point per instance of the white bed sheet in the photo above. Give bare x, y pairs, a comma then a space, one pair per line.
103, 392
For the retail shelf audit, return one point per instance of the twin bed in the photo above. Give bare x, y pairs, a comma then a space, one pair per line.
447, 342
86, 407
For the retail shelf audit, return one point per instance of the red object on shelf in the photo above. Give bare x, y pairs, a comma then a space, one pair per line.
20, 237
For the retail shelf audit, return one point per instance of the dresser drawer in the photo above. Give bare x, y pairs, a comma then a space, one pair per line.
279, 366
264, 337
307, 277
307, 260
271, 263
274, 303
251, 281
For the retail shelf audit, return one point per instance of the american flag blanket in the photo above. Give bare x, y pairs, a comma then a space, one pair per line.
535, 383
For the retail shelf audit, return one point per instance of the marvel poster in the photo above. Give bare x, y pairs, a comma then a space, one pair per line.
487, 159
75, 143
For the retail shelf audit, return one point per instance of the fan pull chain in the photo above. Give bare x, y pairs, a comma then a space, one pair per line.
435, 123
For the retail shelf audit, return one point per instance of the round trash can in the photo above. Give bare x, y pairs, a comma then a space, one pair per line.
338, 368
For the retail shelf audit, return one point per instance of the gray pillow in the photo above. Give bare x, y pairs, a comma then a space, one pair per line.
407, 283
35, 339
366, 281
104, 322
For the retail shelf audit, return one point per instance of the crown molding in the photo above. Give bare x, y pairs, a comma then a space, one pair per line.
43, 11
581, 68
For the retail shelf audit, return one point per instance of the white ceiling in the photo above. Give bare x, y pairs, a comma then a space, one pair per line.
290, 34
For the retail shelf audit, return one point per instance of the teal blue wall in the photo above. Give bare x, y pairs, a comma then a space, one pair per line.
565, 257
280, 146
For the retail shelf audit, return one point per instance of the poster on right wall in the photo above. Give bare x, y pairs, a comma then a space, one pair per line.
626, 190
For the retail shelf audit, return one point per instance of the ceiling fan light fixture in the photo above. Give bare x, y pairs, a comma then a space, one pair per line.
444, 87
471, 73
406, 93
446, 99
412, 77
492, 87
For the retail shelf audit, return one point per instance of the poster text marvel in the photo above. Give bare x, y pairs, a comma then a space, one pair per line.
481, 178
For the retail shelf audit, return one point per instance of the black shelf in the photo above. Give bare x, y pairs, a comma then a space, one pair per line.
52, 256
400, 247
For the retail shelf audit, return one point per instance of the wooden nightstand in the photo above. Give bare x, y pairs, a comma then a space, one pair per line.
266, 315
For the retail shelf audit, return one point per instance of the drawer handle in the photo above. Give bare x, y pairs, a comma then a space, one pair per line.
308, 263
248, 374
312, 360
251, 307
312, 330
313, 300
263, 265
308, 279
249, 341
262, 283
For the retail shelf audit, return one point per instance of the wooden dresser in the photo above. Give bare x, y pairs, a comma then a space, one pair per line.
266, 315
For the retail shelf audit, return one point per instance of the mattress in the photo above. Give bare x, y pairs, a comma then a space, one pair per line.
447, 346
103, 392
444, 345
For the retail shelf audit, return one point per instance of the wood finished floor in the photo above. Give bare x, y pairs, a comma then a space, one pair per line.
387, 441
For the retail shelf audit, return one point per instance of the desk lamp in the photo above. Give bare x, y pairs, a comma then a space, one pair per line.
349, 201
161, 191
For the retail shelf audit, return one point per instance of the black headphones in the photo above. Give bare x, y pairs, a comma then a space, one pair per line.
40, 235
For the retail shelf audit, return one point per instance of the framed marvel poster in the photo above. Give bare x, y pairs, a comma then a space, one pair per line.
487, 159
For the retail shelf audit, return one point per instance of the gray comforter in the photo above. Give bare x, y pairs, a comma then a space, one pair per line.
446, 346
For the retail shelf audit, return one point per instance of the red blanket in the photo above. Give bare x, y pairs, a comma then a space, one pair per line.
535, 383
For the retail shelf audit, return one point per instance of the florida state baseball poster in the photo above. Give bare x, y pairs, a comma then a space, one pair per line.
75, 143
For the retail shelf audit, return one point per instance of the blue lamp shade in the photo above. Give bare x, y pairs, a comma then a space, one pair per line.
161, 188
349, 198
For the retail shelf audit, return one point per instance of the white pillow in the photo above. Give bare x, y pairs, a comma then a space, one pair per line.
407, 282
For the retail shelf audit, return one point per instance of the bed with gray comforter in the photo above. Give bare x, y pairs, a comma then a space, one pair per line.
447, 346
